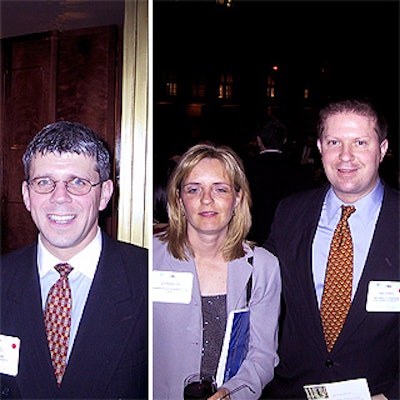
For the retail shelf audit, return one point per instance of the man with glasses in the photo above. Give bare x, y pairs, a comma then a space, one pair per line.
96, 346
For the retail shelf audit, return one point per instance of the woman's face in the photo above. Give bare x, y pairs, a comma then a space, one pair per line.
208, 198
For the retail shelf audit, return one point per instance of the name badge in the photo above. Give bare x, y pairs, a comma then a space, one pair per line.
9, 355
172, 287
383, 296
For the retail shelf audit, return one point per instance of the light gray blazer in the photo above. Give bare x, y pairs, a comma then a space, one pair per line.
177, 328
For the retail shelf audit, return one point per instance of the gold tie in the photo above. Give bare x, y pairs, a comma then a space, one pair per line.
57, 319
336, 298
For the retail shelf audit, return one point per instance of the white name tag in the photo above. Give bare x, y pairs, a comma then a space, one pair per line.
9, 355
172, 287
354, 389
383, 296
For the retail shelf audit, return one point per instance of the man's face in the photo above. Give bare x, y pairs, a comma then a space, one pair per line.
67, 223
351, 155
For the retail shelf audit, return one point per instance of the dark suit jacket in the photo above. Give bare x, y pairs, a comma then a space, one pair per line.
368, 345
272, 176
109, 357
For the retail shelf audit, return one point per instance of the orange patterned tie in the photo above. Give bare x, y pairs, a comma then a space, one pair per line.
336, 298
57, 319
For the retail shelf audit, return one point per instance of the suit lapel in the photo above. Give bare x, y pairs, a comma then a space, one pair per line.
304, 284
107, 323
380, 264
25, 302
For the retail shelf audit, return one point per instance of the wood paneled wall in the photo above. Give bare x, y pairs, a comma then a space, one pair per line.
71, 75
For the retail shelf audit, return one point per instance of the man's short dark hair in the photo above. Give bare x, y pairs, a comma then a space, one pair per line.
69, 137
272, 133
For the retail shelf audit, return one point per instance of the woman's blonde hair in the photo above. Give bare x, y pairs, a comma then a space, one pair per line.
239, 226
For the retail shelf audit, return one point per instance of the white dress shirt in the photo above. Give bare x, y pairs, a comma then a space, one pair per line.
80, 278
362, 226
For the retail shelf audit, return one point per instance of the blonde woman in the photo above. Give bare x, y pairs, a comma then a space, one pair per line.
204, 268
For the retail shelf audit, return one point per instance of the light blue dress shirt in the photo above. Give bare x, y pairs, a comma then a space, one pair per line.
80, 278
362, 226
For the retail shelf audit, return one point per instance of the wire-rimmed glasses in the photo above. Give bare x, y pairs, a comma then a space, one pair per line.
76, 186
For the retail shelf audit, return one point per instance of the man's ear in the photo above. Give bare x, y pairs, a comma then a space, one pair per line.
107, 189
26, 195
384, 148
319, 144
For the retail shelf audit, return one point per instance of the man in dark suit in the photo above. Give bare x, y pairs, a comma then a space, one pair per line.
67, 169
352, 142
272, 176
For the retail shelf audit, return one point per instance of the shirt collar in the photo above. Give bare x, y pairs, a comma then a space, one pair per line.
270, 151
84, 262
365, 207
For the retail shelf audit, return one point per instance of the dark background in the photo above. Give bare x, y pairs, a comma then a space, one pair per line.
355, 42
24, 17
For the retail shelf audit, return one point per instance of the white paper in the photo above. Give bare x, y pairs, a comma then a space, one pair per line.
354, 389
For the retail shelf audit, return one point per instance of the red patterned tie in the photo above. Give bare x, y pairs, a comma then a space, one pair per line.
57, 319
336, 298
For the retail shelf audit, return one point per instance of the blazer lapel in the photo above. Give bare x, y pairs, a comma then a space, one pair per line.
107, 323
304, 281
380, 264
25, 303
239, 272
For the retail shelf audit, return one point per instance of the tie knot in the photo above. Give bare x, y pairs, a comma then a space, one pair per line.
347, 211
63, 269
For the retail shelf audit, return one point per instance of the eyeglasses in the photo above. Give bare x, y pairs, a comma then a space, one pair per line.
76, 186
